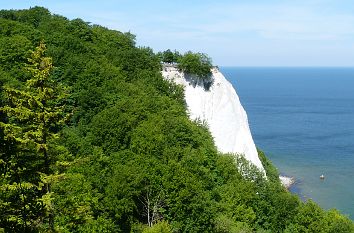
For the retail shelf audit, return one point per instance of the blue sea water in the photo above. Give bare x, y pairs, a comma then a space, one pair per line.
303, 118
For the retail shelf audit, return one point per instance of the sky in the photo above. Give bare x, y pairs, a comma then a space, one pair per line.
231, 32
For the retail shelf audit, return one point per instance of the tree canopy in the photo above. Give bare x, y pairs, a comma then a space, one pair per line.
197, 67
198, 64
168, 56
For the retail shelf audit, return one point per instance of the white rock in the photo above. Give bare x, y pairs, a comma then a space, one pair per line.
221, 109
287, 181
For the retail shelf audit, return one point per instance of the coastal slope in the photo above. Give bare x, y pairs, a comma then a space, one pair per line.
220, 108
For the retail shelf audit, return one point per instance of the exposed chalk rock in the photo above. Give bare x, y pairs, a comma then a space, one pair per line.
220, 108
286, 181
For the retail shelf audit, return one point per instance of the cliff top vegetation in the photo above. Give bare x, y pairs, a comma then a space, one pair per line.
196, 67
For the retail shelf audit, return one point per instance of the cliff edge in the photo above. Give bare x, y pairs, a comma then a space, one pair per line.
220, 108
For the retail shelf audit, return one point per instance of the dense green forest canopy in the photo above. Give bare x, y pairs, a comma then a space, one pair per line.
93, 139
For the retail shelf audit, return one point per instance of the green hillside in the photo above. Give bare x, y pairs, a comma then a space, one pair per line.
93, 139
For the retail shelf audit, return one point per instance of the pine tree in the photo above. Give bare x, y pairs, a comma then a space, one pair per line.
34, 115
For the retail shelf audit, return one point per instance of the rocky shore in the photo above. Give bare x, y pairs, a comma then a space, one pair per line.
286, 181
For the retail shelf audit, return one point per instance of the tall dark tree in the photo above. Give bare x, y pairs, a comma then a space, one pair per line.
32, 117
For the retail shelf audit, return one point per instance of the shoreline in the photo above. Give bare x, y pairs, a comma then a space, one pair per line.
286, 181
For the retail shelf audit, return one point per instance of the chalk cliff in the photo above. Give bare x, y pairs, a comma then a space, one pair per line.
221, 109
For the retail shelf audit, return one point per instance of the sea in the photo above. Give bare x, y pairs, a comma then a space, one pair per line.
303, 119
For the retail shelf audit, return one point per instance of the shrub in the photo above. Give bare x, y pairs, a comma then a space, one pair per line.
196, 66
168, 56
160, 227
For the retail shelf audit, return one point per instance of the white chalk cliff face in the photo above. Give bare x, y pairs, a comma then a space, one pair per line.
221, 109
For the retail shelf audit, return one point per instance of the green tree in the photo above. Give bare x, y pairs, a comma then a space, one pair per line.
33, 117
160, 227
197, 68
195, 63
168, 56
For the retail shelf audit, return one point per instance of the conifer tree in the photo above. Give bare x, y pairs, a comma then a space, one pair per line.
33, 116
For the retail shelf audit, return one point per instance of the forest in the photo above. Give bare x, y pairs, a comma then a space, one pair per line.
93, 139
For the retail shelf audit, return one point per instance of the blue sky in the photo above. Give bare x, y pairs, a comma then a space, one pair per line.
232, 32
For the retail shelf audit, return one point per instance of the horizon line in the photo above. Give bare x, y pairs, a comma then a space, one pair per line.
231, 66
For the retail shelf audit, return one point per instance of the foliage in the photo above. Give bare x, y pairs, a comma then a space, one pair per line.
160, 227
223, 224
196, 66
168, 56
33, 115
129, 159
271, 171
